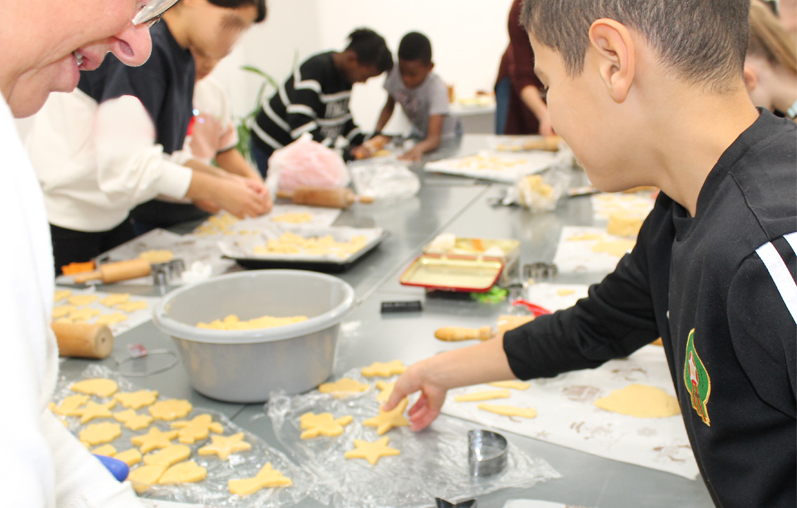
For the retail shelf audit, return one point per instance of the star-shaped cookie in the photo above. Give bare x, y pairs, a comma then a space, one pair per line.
197, 429
323, 424
385, 390
384, 369
137, 400
133, 420
343, 387
70, 404
224, 446
371, 452
386, 420
266, 477
171, 409
94, 410
154, 439
98, 386
100, 433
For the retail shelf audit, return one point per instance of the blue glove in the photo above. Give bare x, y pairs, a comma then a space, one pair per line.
117, 468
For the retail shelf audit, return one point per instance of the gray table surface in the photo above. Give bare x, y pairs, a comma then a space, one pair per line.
459, 206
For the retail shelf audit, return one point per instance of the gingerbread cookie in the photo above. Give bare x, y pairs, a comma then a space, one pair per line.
483, 395
171, 409
197, 429
133, 420
168, 456
154, 439
186, 472
323, 424
266, 478
137, 400
371, 452
100, 387
386, 420
224, 446
384, 369
100, 433
343, 387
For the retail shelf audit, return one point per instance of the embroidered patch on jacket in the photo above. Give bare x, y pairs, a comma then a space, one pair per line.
697, 380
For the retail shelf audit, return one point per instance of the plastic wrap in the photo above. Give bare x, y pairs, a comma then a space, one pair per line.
213, 490
384, 181
432, 463
306, 163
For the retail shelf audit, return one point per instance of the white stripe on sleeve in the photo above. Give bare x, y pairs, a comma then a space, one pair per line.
354, 133
302, 109
780, 276
282, 124
792, 239
263, 135
304, 128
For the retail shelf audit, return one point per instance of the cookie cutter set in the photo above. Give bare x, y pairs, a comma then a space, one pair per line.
164, 274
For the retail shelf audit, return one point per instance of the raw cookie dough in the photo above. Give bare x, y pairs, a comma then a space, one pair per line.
266, 478
100, 433
371, 452
157, 256
514, 385
291, 243
614, 247
61, 294
386, 420
385, 390
565, 292
70, 404
111, 319
232, 322
509, 410
171, 409
63, 310
115, 299
84, 314
94, 410
154, 439
145, 476
81, 300
132, 306
104, 450
168, 456
137, 400
224, 446
384, 369
641, 401
133, 420
100, 387
130, 457
293, 218
483, 395
343, 387
323, 424
196, 429
186, 472
624, 225
583, 237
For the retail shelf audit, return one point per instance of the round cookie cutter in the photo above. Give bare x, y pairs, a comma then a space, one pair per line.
487, 453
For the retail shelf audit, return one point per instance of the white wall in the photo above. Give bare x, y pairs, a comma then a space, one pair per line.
468, 38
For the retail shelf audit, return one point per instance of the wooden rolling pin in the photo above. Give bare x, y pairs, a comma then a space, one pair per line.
505, 323
330, 198
116, 272
83, 340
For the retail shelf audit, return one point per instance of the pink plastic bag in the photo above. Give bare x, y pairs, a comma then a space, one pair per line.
307, 163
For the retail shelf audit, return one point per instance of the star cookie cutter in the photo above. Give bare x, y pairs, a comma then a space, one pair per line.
487, 453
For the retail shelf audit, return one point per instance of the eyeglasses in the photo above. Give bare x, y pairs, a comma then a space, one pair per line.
152, 12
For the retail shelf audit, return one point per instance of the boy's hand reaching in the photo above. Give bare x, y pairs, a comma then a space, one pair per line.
423, 412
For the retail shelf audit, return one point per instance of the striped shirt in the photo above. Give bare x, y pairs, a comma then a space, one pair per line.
314, 99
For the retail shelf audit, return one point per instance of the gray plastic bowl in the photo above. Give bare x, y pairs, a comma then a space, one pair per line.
245, 366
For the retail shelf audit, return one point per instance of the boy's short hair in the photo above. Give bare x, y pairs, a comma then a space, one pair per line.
262, 10
371, 49
415, 47
704, 41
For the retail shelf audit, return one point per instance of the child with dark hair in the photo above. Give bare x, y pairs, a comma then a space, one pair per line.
315, 98
117, 141
422, 95
653, 93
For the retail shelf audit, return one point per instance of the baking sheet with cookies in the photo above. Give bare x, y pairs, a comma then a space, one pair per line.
566, 414
503, 167
120, 311
213, 490
585, 249
429, 464
224, 224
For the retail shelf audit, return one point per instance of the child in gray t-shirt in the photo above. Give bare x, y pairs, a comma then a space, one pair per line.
423, 97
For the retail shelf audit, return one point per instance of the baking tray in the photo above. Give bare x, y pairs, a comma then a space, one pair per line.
453, 273
477, 246
316, 264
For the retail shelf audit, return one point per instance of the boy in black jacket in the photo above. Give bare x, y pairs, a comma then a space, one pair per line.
652, 93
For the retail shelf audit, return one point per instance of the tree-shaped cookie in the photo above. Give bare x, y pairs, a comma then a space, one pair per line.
137, 400
267, 477
323, 424
386, 420
154, 439
384, 369
133, 420
224, 446
371, 452
196, 429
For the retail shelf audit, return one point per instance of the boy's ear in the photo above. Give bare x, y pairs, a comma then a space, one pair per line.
613, 46
750, 79
431, 66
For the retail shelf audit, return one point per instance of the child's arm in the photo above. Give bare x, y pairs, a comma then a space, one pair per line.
234, 162
432, 141
239, 196
387, 113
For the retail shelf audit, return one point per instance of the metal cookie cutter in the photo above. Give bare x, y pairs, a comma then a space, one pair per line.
540, 271
487, 453
164, 274
442, 503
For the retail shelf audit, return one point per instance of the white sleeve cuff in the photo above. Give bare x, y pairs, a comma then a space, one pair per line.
174, 180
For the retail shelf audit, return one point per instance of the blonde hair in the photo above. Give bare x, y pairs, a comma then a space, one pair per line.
769, 40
